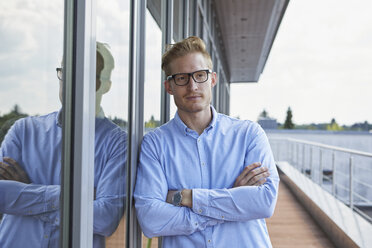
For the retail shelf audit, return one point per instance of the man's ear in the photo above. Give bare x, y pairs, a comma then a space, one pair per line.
213, 79
168, 87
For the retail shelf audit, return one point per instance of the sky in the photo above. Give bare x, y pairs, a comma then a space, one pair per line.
319, 64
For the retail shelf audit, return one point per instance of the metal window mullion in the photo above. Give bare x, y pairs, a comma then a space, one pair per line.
185, 19
167, 34
78, 125
135, 113
194, 17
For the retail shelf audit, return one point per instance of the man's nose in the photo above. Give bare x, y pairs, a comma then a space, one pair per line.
192, 84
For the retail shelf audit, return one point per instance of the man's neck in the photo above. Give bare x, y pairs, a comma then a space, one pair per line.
197, 121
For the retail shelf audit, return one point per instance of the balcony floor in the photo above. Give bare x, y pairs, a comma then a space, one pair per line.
292, 226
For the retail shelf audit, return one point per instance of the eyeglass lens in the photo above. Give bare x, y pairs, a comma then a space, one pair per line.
59, 73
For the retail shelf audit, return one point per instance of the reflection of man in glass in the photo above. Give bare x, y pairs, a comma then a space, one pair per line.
31, 168
200, 182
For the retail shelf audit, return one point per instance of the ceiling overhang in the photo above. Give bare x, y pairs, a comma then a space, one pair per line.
248, 29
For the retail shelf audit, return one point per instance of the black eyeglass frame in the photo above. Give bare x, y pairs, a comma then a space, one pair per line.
208, 71
59, 70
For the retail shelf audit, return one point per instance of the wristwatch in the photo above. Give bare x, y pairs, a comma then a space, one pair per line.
177, 198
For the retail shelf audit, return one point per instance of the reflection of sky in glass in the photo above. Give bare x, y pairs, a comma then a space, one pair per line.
113, 29
31, 34
31, 48
153, 83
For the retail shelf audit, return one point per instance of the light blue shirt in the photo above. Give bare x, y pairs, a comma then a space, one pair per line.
176, 157
31, 211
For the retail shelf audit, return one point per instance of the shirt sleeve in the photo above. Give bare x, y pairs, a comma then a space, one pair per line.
155, 215
110, 192
29, 199
246, 202
39, 201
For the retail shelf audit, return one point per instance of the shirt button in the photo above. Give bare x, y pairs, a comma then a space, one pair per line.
45, 236
223, 217
200, 211
203, 163
209, 240
196, 224
198, 140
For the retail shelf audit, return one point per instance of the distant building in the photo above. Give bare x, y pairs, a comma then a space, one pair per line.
267, 123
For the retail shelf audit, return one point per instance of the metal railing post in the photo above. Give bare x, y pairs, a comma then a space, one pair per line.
292, 153
351, 182
311, 162
320, 167
303, 159
298, 156
333, 175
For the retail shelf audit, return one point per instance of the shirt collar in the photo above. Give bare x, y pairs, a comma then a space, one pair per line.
59, 118
182, 126
214, 118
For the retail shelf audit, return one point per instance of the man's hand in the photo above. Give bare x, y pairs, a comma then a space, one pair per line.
11, 170
252, 176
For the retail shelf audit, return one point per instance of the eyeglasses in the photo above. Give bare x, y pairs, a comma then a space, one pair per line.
59, 73
182, 79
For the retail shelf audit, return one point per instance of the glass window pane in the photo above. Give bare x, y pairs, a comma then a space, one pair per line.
153, 86
111, 121
30, 131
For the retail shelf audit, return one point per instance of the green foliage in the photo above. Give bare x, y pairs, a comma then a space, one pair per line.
333, 126
264, 114
7, 120
152, 123
288, 124
120, 122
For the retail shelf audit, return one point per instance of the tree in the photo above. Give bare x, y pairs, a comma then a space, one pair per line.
263, 114
7, 120
288, 124
333, 126
152, 123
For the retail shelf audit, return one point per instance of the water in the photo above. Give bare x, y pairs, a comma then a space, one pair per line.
311, 158
360, 141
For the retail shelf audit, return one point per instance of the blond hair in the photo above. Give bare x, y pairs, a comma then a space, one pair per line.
189, 45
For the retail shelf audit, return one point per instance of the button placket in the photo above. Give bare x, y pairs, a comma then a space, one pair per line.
202, 163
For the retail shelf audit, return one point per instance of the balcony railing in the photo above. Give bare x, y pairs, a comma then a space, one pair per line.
345, 173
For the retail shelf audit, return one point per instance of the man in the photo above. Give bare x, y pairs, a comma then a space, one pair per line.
200, 182
31, 168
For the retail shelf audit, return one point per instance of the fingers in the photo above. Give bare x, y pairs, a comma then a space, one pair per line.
18, 170
6, 171
15, 166
252, 176
241, 179
11, 170
260, 182
260, 177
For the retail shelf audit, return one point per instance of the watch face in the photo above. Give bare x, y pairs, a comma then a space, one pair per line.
177, 199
